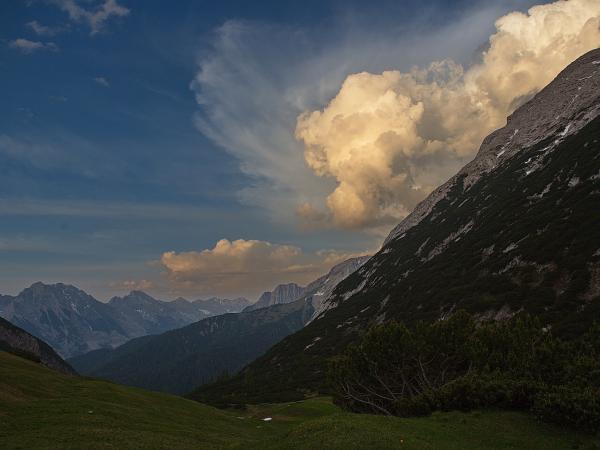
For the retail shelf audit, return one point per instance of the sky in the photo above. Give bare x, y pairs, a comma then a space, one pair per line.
202, 148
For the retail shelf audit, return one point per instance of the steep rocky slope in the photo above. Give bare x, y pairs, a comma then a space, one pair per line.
516, 230
319, 291
283, 293
17, 341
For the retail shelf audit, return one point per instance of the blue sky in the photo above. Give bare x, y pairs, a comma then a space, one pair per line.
111, 156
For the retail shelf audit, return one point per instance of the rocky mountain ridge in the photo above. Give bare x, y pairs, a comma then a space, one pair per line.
283, 293
74, 322
546, 114
320, 290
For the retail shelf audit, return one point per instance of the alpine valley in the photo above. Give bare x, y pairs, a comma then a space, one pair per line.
179, 360
413, 284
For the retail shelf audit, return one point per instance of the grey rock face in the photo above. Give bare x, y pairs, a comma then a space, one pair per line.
66, 317
319, 291
284, 293
74, 322
316, 292
15, 340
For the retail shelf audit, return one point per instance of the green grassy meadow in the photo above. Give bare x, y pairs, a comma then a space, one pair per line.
42, 409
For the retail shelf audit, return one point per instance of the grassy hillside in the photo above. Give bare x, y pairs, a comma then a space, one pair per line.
40, 408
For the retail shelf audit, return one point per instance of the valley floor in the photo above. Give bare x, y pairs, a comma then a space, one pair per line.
40, 408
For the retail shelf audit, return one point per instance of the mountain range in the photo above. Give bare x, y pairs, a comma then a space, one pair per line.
517, 229
73, 322
180, 360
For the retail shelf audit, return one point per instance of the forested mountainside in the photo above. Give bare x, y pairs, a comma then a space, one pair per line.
180, 360
516, 230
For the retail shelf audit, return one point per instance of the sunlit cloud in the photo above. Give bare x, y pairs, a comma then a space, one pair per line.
93, 14
389, 139
27, 47
330, 145
245, 267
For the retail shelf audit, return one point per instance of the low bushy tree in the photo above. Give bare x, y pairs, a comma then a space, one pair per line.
459, 363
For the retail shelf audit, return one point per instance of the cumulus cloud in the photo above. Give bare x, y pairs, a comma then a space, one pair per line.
388, 139
27, 47
95, 16
132, 285
261, 87
245, 267
259, 77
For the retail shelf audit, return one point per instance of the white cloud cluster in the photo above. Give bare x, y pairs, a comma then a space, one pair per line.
26, 46
259, 77
94, 17
102, 81
244, 267
388, 139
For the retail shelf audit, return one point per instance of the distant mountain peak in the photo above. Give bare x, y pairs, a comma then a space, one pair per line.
138, 293
40, 286
74, 322
283, 293
134, 296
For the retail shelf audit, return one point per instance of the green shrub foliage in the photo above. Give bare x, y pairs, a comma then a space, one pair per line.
461, 364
